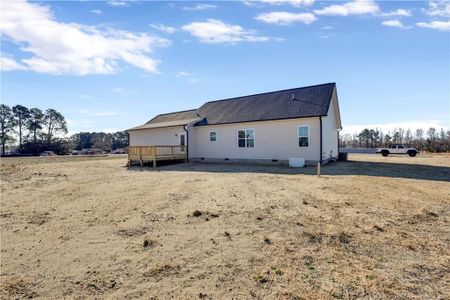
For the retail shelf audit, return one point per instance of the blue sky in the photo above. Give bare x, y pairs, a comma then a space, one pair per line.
112, 65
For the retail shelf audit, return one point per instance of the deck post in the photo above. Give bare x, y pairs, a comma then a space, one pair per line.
154, 162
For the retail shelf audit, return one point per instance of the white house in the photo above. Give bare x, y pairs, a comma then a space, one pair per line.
268, 128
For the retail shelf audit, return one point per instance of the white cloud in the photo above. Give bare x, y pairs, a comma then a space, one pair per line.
118, 90
163, 28
105, 113
438, 25
296, 3
216, 32
393, 23
96, 11
285, 18
117, 3
327, 27
438, 9
183, 74
200, 7
98, 113
385, 127
9, 64
397, 13
70, 48
356, 7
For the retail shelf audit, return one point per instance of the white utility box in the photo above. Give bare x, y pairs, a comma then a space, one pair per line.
296, 162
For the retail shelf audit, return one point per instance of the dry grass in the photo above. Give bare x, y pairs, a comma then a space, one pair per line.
372, 228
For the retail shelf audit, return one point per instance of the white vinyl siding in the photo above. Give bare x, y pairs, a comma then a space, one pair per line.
277, 139
330, 127
155, 136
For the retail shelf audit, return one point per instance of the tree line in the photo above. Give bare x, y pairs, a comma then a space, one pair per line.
32, 131
430, 140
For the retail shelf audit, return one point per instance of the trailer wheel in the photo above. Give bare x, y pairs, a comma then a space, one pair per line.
412, 153
385, 153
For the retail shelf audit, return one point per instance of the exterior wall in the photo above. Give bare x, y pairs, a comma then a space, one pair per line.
156, 136
273, 140
330, 131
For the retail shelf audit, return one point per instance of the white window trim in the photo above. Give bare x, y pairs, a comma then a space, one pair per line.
245, 130
209, 137
309, 136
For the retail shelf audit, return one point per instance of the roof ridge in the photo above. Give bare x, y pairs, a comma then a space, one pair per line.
170, 113
176, 112
278, 91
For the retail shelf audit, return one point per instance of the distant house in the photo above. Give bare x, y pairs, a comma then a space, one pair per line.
271, 127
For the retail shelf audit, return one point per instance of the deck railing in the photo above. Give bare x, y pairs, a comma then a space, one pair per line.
155, 153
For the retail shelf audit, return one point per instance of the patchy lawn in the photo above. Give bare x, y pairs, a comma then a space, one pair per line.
373, 228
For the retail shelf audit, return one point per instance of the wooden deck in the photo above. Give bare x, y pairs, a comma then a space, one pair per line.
155, 153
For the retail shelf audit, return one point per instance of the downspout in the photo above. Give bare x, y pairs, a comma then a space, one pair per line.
320, 118
187, 141
338, 132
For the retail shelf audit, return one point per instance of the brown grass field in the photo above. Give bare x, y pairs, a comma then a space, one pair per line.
372, 228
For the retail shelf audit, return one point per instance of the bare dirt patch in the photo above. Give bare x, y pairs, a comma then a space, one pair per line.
372, 228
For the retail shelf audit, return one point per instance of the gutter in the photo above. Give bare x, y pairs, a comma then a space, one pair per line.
187, 141
320, 118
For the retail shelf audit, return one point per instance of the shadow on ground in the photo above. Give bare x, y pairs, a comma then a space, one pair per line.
359, 168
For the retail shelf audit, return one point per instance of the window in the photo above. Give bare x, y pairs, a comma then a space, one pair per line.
246, 138
400, 147
212, 136
303, 136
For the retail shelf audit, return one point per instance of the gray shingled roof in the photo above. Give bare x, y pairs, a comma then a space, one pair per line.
175, 116
311, 101
178, 118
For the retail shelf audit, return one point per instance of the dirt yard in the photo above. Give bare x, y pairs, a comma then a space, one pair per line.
372, 228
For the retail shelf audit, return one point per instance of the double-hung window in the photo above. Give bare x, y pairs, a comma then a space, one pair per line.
303, 136
246, 138
212, 136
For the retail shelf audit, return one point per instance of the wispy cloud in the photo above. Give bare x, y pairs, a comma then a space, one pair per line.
96, 11
397, 13
163, 28
9, 64
357, 7
438, 25
200, 7
118, 90
286, 18
295, 3
394, 23
217, 32
438, 9
98, 113
183, 74
118, 2
81, 50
